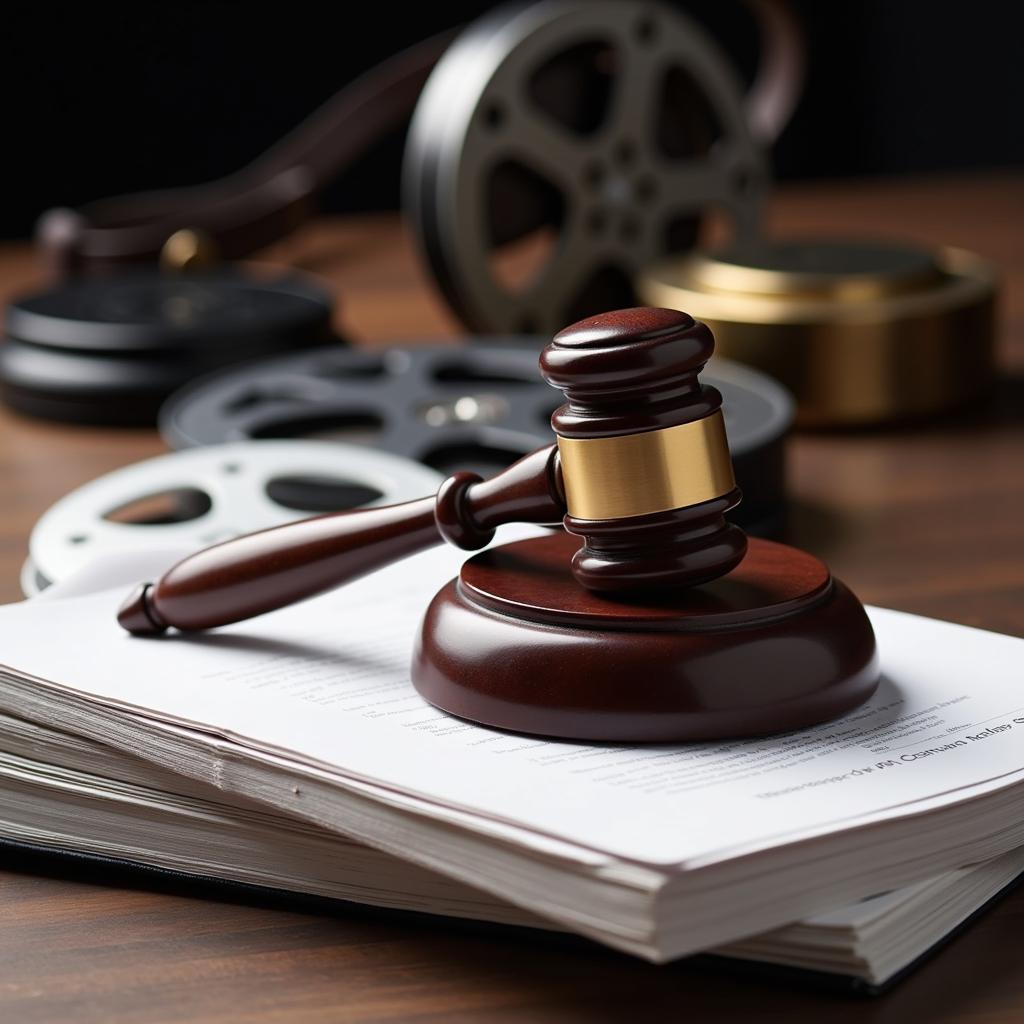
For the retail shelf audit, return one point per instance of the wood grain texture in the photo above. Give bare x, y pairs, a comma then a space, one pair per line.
518, 645
631, 377
926, 520
259, 572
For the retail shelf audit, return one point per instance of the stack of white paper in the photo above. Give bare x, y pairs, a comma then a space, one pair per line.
659, 850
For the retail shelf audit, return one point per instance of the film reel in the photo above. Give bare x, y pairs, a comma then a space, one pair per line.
478, 408
110, 351
596, 137
195, 498
449, 408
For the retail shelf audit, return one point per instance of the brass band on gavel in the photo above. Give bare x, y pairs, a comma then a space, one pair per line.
635, 474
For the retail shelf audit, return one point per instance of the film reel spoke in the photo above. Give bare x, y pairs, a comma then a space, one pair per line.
548, 147
635, 91
695, 186
695, 209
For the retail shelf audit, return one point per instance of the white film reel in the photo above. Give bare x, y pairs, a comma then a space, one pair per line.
190, 499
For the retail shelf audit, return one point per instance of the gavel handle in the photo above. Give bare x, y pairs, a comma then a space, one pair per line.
259, 572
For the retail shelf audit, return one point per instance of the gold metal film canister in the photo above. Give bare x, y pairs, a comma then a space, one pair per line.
861, 333
636, 474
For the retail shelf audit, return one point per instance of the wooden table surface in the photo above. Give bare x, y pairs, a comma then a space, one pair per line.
929, 520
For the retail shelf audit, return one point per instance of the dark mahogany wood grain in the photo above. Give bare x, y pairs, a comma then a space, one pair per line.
531, 581
516, 644
628, 372
678, 547
927, 520
258, 572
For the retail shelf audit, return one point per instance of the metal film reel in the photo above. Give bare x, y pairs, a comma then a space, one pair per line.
450, 408
111, 350
477, 408
187, 500
560, 148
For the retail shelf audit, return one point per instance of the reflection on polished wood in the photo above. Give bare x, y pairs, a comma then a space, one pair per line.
925, 520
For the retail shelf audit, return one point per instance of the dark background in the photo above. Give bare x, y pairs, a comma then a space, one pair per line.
103, 99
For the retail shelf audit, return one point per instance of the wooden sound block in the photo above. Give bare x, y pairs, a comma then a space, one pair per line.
517, 643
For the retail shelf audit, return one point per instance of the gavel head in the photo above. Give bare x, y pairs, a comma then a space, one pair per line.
644, 458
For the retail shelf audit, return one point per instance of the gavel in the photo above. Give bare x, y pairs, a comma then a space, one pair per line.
649, 617
640, 470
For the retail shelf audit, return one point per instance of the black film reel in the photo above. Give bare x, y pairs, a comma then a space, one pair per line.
477, 408
111, 350
560, 147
